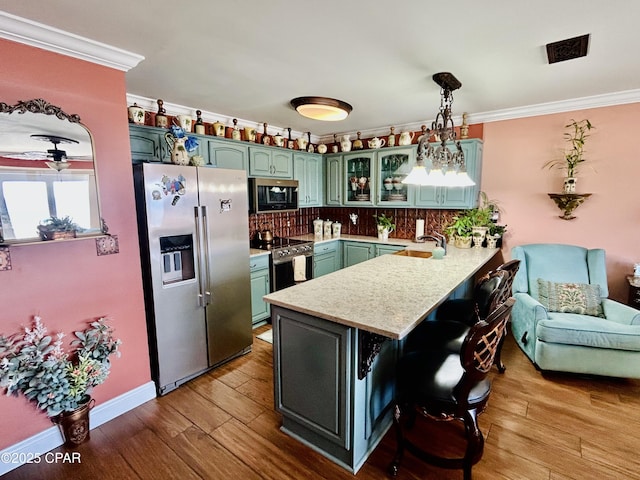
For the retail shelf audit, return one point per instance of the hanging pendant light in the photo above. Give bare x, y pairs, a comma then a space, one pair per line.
440, 166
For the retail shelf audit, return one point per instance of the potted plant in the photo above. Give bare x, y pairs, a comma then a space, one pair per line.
460, 230
576, 136
385, 226
59, 383
55, 228
494, 234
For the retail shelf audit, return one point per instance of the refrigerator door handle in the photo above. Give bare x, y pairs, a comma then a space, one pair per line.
201, 278
205, 231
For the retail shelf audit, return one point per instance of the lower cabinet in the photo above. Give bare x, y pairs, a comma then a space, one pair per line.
356, 252
327, 258
260, 286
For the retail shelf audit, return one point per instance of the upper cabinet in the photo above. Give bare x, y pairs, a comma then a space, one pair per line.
47, 170
456, 197
359, 178
270, 162
392, 166
225, 154
148, 144
333, 180
307, 169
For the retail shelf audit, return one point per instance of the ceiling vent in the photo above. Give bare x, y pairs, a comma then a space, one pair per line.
568, 49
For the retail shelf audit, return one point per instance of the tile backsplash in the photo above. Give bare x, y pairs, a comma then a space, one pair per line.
290, 224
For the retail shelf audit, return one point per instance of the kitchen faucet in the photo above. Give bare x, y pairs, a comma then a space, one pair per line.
440, 240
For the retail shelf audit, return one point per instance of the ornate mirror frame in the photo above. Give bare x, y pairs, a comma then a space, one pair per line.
67, 166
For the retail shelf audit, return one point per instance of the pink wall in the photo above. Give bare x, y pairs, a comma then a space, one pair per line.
67, 283
512, 173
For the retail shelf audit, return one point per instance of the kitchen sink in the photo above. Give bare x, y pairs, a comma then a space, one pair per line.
413, 253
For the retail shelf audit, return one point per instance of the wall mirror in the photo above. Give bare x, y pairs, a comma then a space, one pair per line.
46, 170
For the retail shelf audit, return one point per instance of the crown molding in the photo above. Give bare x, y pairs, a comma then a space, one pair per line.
582, 103
151, 105
38, 35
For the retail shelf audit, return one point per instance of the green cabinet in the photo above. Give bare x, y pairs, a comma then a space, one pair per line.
333, 180
359, 178
270, 162
386, 249
356, 252
392, 166
227, 154
260, 286
148, 144
307, 169
327, 258
456, 197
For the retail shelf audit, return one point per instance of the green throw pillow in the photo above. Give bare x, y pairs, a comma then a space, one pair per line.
570, 298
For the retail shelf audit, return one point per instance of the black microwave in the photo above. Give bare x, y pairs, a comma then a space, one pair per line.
272, 195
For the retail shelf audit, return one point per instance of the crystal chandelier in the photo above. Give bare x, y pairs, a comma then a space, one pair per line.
438, 165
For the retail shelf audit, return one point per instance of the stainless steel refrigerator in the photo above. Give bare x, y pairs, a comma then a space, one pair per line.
194, 242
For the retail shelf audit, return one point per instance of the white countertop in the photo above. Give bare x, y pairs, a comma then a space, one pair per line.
389, 294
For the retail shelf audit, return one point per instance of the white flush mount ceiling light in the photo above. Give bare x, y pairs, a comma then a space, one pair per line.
322, 108
441, 166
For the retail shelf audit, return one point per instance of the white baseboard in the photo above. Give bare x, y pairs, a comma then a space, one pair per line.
21, 452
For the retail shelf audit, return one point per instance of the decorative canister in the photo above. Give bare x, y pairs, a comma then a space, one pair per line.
249, 134
327, 228
317, 227
322, 148
136, 114
218, 129
336, 228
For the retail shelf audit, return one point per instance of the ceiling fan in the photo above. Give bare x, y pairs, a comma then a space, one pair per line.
59, 156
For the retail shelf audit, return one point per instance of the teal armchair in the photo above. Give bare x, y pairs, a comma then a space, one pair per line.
564, 338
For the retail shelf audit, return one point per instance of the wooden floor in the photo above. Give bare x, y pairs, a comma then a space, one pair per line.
222, 426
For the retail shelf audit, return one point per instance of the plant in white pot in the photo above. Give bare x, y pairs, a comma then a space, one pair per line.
384, 226
573, 158
59, 383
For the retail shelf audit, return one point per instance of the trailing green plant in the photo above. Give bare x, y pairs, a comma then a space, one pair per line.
385, 222
36, 365
576, 136
57, 224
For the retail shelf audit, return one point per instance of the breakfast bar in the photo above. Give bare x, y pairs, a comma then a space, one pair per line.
337, 339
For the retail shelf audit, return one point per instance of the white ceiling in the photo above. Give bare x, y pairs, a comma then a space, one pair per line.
248, 59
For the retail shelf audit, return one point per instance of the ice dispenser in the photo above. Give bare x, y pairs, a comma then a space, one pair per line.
177, 259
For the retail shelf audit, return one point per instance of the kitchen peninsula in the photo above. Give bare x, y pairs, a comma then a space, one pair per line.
337, 338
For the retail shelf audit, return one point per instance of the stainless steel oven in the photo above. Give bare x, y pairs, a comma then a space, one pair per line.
283, 252
267, 195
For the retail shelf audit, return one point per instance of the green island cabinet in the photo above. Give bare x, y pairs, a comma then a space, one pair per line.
307, 169
356, 252
327, 257
270, 162
260, 286
321, 391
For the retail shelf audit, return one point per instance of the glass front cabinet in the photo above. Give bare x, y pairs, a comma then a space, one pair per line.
393, 165
374, 177
359, 178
